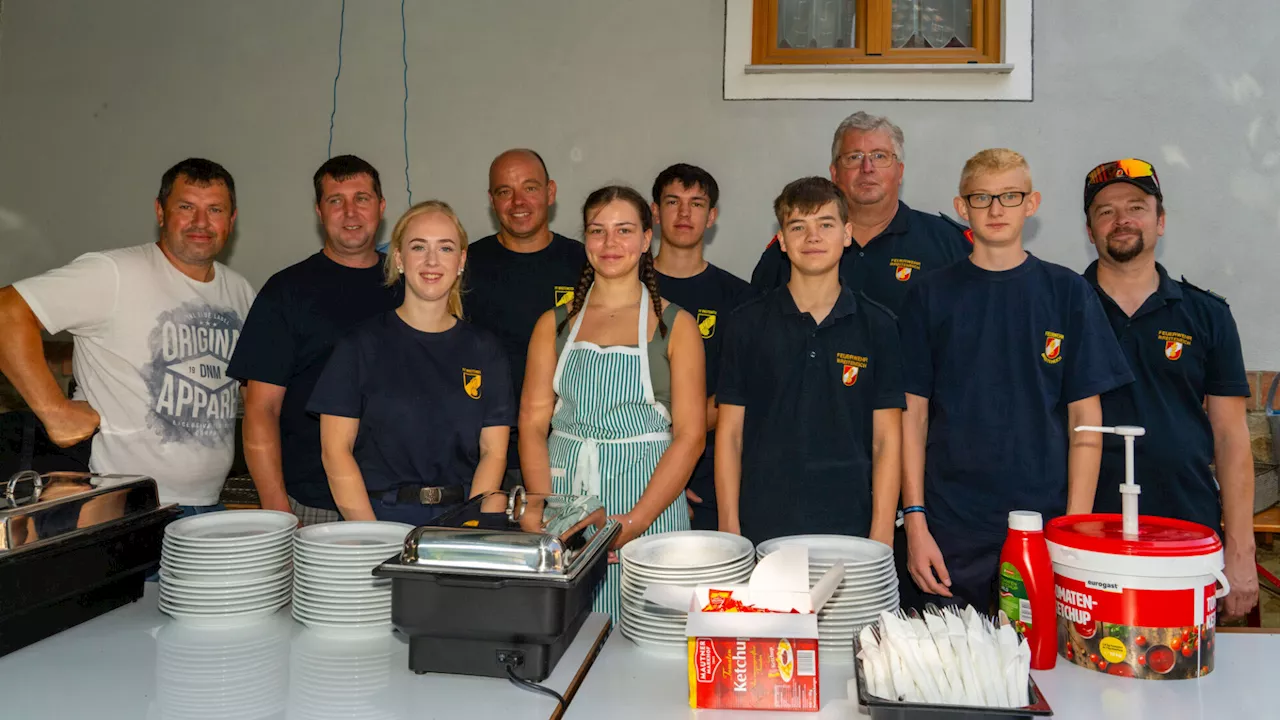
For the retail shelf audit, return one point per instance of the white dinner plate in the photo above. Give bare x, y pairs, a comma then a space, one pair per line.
685, 549
181, 593
276, 560
224, 620
248, 576
347, 533
853, 551
230, 527
323, 613
339, 563
224, 581
688, 576
230, 551
343, 605
249, 547
319, 620
222, 604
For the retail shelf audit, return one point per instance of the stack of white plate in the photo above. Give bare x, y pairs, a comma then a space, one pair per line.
226, 568
870, 583
335, 677
231, 672
686, 559
333, 584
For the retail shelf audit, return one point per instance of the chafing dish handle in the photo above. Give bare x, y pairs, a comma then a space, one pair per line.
11, 498
515, 504
470, 582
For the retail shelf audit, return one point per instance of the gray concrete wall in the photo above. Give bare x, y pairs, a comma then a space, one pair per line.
98, 98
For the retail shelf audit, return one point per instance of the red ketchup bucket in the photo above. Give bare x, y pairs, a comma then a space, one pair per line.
1143, 606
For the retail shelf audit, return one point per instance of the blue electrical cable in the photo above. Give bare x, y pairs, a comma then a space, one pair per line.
404, 55
342, 26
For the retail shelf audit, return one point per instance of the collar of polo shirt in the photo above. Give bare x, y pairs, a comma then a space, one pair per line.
845, 304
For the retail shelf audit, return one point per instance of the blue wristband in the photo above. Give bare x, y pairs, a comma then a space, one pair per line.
913, 509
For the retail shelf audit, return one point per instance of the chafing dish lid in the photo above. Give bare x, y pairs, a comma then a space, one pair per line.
512, 534
36, 509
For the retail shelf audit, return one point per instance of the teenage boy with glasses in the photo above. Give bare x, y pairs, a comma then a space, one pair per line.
1002, 355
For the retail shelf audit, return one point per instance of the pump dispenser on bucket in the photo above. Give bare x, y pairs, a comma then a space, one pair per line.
1130, 490
1136, 594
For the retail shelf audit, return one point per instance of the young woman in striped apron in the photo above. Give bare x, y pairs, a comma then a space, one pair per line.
624, 404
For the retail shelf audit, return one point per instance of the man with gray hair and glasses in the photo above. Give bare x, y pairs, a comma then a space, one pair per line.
893, 244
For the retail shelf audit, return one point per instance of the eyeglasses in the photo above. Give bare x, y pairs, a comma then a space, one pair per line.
1127, 168
984, 200
879, 159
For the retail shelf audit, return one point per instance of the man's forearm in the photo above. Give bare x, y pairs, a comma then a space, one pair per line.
1084, 455
22, 358
728, 478
263, 456
1233, 460
915, 434
886, 478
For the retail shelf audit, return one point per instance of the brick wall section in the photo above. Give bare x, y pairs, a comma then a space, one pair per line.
1259, 426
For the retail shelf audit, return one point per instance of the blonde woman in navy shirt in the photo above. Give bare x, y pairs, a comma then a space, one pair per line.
416, 405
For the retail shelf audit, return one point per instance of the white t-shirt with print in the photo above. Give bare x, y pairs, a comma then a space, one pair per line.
151, 353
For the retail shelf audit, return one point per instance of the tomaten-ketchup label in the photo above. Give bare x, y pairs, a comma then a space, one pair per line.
1142, 633
754, 674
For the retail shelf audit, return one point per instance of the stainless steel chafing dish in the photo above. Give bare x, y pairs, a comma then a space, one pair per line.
552, 537
505, 573
73, 546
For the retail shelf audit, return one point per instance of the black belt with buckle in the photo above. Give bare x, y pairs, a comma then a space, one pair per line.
425, 495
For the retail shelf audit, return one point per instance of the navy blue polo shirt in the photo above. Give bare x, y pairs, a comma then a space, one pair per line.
505, 292
1182, 345
422, 399
291, 329
912, 246
809, 392
710, 296
999, 355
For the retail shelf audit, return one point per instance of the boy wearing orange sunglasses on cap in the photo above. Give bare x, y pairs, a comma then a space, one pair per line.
1003, 354
1182, 345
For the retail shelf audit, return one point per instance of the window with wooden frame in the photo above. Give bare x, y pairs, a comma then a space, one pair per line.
900, 32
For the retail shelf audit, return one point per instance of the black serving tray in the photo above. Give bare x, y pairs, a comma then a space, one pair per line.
882, 709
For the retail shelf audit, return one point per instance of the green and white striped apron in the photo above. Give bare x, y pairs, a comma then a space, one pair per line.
608, 433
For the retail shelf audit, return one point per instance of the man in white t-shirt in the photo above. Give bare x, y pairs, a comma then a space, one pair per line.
154, 326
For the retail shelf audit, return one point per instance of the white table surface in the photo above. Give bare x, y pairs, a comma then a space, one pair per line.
627, 682
135, 663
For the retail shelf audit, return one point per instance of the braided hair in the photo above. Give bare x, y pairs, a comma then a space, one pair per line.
648, 274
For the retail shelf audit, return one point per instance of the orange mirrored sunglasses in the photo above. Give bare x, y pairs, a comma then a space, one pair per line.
1127, 168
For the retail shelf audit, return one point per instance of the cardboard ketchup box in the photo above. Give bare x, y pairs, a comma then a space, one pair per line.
756, 660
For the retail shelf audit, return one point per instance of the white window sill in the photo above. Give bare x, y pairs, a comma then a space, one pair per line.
1010, 80
873, 68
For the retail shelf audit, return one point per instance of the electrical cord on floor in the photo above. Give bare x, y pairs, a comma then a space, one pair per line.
533, 686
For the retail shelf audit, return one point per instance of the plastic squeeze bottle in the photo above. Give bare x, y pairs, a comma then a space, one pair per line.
1026, 586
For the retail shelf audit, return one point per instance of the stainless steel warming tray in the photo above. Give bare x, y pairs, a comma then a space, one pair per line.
551, 537
506, 575
73, 546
